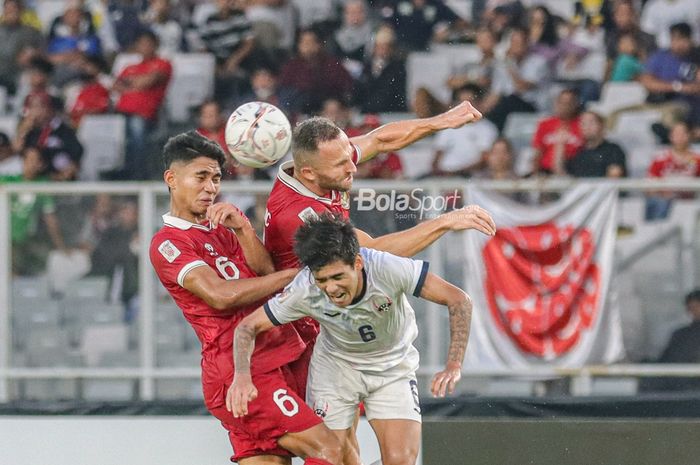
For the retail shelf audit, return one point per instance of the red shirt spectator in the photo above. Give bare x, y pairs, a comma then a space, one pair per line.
558, 137
668, 165
382, 166
551, 132
144, 101
315, 75
92, 99
142, 86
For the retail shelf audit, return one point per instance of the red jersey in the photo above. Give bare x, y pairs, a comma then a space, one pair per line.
289, 205
547, 135
667, 165
92, 99
181, 246
144, 102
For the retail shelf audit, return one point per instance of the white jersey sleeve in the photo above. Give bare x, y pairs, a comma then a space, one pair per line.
289, 305
403, 274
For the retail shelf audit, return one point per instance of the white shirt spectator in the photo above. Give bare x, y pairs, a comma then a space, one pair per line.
462, 147
533, 68
659, 15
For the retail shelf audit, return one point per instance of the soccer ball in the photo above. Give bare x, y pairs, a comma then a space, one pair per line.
258, 134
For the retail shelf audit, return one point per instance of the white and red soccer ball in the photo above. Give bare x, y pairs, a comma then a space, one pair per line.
258, 134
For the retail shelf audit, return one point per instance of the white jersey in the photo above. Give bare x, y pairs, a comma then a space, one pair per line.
375, 332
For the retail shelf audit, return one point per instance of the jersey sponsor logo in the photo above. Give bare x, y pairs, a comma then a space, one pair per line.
168, 250
382, 304
210, 249
307, 214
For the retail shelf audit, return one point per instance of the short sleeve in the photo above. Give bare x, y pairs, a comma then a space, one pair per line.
288, 305
173, 258
403, 274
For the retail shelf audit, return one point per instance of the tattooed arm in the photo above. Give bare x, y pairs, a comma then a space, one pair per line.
459, 305
242, 390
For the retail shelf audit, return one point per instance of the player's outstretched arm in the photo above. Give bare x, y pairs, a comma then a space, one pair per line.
399, 134
459, 305
409, 242
242, 390
230, 216
224, 295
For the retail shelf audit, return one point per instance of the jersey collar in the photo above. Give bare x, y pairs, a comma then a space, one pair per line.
179, 223
294, 184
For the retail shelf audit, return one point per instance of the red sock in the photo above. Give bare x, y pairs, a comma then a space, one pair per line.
313, 461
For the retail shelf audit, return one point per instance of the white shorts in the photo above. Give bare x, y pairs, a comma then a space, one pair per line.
335, 390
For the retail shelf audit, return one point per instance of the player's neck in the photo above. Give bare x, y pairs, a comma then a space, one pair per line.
185, 214
315, 188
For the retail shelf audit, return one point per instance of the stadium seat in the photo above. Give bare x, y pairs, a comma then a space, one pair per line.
633, 133
430, 71
191, 85
170, 337
8, 125
618, 95
47, 11
417, 158
90, 287
98, 339
104, 139
458, 55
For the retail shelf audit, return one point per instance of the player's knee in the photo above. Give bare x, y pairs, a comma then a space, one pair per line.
400, 456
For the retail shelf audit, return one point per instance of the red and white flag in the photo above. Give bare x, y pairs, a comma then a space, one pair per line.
541, 285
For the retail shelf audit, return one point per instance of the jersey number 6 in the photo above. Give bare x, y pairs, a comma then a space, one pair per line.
227, 268
367, 333
281, 398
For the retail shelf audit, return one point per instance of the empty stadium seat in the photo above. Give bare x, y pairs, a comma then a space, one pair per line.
99, 339
633, 133
417, 158
430, 71
191, 85
104, 140
8, 125
618, 95
458, 55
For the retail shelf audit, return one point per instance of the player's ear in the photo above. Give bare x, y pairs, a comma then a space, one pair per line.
169, 178
308, 173
358, 262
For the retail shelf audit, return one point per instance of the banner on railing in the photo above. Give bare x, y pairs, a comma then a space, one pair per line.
541, 286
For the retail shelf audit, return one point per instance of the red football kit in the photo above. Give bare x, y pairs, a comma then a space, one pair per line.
178, 248
289, 205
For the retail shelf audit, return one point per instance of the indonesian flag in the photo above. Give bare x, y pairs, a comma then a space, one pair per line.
541, 286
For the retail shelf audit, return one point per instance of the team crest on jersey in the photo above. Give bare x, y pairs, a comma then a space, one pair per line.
168, 250
210, 249
382, 304
321, 408
307, 214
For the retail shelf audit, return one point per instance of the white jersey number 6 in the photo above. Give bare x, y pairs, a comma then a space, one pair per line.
283, 401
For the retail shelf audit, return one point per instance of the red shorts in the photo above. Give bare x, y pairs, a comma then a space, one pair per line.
276, 411
299, 368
